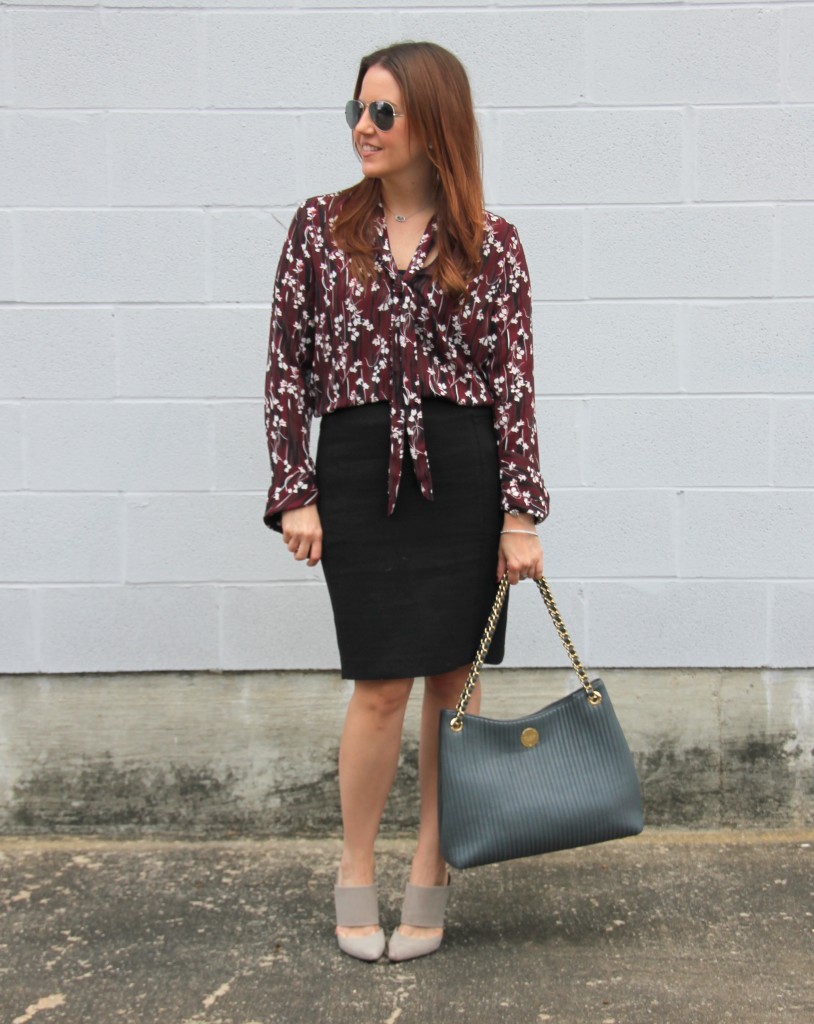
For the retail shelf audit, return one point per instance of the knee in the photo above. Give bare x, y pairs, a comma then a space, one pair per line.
447, 686
383, 699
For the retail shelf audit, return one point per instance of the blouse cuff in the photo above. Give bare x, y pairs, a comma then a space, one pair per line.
526, 493
273, 516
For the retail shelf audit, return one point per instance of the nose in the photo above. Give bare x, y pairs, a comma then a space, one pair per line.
364, 124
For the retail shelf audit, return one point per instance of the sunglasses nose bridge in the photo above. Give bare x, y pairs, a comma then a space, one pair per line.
365, 122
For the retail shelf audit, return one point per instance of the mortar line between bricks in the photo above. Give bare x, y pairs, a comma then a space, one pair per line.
541, 304
678, 204
651, 396
297, 582
544, 108
120, 399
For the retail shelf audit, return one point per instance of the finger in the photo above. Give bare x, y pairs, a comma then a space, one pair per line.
316, 551
501, 566
303, 549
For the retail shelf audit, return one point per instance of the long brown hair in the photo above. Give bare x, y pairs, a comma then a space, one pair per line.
438, 103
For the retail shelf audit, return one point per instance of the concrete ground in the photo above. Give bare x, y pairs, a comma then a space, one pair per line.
669, 926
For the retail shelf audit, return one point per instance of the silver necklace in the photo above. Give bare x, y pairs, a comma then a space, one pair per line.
400, 216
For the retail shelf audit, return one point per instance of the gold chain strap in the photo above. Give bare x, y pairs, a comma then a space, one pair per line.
457, 723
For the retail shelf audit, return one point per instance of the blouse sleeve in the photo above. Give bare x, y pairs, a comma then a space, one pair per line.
288, 405
511, 380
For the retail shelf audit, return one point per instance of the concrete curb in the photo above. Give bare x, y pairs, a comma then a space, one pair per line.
230, 754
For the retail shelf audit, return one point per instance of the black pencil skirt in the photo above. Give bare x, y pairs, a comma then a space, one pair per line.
410, 592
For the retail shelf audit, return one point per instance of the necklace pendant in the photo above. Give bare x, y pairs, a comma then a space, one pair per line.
400, 218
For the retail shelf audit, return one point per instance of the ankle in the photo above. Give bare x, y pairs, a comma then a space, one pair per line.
356, 871
428, 871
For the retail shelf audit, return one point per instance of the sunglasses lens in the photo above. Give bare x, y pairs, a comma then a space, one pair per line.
383, 115
353, 112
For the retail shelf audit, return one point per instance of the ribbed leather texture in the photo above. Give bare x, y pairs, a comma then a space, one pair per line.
499, 800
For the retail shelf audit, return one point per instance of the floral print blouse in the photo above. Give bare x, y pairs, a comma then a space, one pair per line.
334, 343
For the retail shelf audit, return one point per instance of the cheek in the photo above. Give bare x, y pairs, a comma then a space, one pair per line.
402, 143
413, 150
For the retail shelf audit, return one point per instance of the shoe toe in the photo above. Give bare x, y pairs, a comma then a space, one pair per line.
405, 947
363, 947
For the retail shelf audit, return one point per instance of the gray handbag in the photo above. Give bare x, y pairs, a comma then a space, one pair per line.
559, 778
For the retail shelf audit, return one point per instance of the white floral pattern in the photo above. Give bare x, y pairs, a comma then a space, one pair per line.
334, 343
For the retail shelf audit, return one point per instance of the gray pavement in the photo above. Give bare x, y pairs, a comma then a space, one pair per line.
668, 926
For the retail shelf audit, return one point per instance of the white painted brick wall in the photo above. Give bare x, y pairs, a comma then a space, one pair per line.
657, 159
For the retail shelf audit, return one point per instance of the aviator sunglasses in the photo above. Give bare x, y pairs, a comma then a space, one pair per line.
382, 113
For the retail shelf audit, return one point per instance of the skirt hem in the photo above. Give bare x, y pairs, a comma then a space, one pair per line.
347, 673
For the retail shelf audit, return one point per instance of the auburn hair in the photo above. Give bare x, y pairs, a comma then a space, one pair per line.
437, 100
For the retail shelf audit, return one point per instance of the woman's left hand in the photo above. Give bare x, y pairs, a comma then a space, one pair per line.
520, 553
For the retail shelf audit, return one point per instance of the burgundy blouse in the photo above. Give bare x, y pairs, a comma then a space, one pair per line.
335, 343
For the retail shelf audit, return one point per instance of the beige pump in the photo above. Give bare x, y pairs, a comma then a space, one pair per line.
358, 905
424, 907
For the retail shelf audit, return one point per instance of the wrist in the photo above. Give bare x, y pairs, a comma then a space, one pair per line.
519, 519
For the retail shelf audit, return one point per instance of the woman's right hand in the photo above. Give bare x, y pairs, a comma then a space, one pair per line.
302, 533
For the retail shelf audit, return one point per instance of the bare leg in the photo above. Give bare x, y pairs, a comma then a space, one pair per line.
368, 758
429, 867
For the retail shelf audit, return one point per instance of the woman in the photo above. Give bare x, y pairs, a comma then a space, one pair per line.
402, 315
